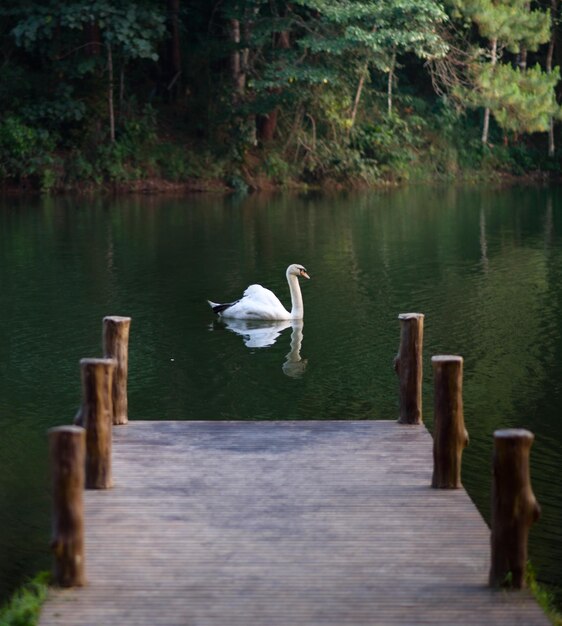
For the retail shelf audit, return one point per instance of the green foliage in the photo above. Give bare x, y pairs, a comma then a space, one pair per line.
24, 151
130, 27
392, 144
127, 159
511, 22
335, 162
368, 33
455, 146
25, 605
172, 162
334, 43
543, 595
116, 162
54, 111
78, 49
237, 184
522, 100
276, 168
322, 69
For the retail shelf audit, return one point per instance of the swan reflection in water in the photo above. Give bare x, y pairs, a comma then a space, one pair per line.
262, 334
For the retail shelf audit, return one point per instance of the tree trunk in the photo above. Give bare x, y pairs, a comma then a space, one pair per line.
267, 124
96, 416
93, 39
408, 366
110, 94
357, 98
390, 81
121, 89
449, 434
514, 507
67, 445
174, 49
522, 61
244, 126
549, 58
236, 63
358, 92
116, 346
486, 126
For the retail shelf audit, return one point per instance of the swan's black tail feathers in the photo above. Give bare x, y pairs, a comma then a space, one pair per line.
219, 308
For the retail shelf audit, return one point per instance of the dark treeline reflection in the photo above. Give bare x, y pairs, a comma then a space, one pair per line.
485, 266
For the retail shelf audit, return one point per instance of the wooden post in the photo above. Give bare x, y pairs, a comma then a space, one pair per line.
116, 346
67, 446
96, 416
514, 507
408, 366
449, 436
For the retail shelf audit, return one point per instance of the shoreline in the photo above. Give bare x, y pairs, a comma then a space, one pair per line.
161, 186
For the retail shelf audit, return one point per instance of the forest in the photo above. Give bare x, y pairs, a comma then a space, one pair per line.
257, 94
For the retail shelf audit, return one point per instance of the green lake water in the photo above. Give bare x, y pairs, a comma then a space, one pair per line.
483, 265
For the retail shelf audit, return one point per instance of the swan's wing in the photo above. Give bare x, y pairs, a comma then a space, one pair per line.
247, 309
257, 303
263, 296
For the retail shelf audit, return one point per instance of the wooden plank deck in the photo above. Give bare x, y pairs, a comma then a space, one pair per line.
282, 524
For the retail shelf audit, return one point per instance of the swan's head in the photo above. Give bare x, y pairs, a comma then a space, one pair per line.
297, 270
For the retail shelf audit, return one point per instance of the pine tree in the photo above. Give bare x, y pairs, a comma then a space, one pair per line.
521, 99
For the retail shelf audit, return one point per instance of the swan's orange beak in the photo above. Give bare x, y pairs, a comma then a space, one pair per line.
304, 274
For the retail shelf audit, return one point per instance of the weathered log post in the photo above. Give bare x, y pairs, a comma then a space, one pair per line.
449, 433
514, 507
116, 346
96, 416
408, 366
67, 446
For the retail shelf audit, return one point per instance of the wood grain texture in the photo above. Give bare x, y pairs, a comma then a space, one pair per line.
282, 524
96, 416
408, 365
67, 447
115, 339
449, 434
514, 507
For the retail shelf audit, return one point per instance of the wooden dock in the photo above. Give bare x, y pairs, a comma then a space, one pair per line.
282, 524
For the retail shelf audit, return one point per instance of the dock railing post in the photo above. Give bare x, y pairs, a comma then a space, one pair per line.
449, 433
67, 445
116, 346
96, 416
514, 507
408, 366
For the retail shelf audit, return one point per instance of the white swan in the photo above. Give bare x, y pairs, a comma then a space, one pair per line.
259, 303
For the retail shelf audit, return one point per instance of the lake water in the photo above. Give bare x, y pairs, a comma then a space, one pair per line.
483, 265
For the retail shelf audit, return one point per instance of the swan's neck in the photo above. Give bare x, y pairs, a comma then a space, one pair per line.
297, 310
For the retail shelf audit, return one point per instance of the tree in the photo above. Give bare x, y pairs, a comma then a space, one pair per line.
126, 32
503, 90
548, 67
375, 32
174, 60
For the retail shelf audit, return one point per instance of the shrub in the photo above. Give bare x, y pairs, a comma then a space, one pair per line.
25, 151
25, 605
